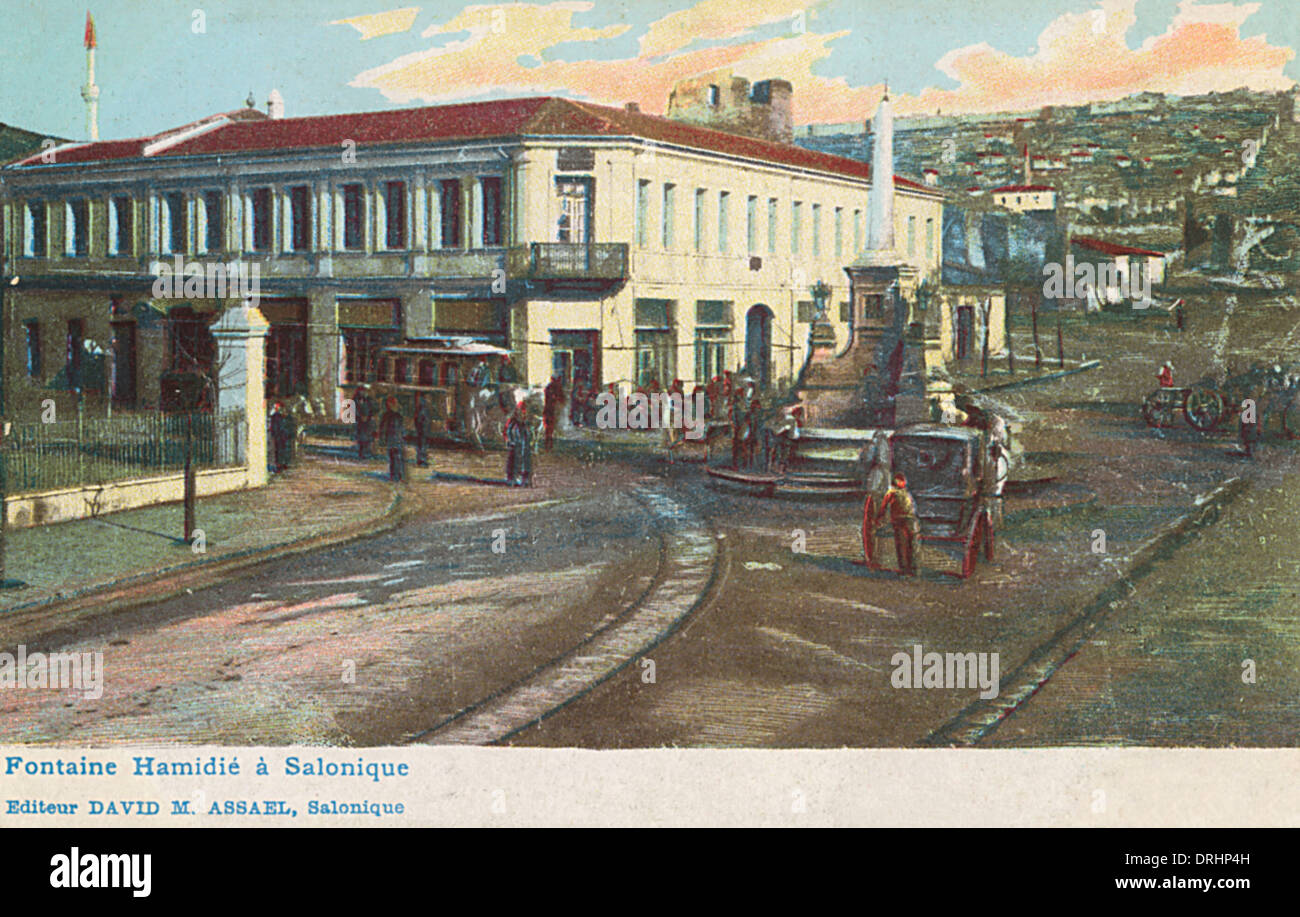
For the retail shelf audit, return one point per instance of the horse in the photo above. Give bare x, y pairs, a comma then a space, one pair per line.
488, 410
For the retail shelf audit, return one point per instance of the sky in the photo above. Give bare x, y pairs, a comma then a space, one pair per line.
161, 63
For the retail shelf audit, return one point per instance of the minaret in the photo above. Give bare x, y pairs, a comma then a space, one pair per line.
90, 92
880, 203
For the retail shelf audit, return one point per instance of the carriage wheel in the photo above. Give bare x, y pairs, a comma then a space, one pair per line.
970, 556
1291, 419
1157, 412
868, 532
1203, 408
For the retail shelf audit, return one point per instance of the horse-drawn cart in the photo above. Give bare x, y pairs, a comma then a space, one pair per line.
1215, 400
946, 475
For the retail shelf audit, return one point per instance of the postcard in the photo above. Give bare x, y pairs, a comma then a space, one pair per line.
673, 412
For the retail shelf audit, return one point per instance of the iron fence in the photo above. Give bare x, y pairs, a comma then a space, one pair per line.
85, 451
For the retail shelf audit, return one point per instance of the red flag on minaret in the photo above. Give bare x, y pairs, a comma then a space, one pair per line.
90, 31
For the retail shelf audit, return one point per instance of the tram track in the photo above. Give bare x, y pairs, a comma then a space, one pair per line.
687, 569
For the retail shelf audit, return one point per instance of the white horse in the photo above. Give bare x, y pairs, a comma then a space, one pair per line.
489, 409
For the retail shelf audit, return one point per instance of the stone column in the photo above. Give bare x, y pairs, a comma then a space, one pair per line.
241, 366
466, 212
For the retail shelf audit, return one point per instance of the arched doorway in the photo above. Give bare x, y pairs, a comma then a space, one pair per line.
758, 344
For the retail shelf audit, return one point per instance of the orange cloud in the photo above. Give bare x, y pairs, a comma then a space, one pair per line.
377, 24
1080, 57
1083, 57
720, 19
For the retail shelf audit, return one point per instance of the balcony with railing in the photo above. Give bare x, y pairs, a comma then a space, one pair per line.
561, 261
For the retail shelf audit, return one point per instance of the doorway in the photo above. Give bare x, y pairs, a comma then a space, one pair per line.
758, 344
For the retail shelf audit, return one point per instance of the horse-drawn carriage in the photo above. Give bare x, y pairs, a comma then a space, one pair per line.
1215, 400
951, 482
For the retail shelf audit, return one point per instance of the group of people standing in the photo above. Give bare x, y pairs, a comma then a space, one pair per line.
390, 425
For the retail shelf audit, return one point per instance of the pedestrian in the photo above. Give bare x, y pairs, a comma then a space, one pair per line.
479, 376
753, 430
552, 399
577, 403
363, 408
1179, 315
423, 430
1166, 375
281, 436
997, 469
392, 428
506, 372
519, 451
875, 458
902, 517
780, 439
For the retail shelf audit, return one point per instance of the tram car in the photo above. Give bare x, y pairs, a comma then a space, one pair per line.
440, 369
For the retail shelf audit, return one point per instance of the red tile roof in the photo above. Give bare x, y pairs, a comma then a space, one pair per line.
1112, 248
541, 116
133, 148
1023, 188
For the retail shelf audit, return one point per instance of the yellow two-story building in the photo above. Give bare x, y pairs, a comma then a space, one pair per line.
593, 242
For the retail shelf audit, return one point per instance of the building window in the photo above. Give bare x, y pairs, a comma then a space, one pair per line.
817, 230
32, 332
670, 193
261, 198
805, 311
493, 233
857, 230
121, 226
699, 219
911, 235
37, 231
574, 196
300, 217
193, 348
751, 224
78, 228
642, 213
839, 232
771, 226
714, 95
724, 206
395, 215
214, 221
796, 218
354, 217
654, 343
846, 310
286, 348
174, 215
449, 204
929, 237
712, 334
361, 352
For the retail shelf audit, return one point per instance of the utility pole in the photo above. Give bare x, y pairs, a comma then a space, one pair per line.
189, 477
